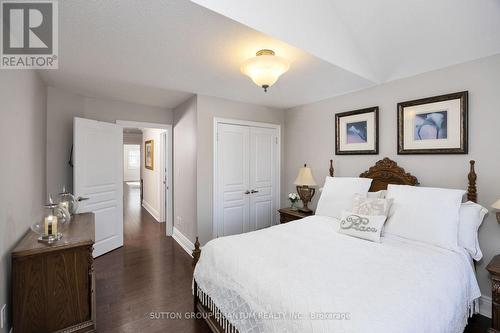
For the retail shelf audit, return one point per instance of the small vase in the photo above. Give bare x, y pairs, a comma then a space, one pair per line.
292, 206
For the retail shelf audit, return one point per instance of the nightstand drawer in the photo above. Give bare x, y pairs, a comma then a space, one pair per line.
288, 214
287, 218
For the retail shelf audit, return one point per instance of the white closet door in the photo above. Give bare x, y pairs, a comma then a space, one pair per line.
263, 174
233, 163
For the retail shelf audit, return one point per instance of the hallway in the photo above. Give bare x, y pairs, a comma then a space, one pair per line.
150, 273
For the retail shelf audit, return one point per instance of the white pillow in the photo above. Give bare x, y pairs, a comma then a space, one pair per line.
379, 194
370, 206
362, 226
338, 193
424, 214
471, 217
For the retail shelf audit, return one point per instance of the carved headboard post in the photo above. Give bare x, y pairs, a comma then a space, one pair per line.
196, 252
331, 168
472, 188
386, 172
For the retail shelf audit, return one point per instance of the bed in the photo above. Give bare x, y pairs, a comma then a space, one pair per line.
303, 276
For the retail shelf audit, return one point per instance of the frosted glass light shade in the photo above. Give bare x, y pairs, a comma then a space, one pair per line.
305, 177
265, 68
496, 204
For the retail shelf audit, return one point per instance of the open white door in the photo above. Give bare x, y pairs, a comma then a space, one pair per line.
98, 175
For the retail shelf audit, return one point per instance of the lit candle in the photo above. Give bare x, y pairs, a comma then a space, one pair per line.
51, 225
48, 224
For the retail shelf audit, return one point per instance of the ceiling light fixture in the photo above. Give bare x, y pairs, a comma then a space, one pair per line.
265, 68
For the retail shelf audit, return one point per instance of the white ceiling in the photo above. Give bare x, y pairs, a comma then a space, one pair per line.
380, 40
109, 87
160, 53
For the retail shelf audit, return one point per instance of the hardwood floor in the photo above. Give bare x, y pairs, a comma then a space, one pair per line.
151, 273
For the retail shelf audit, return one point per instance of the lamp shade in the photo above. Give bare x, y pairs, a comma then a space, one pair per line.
496, 204
265, 68
305, 177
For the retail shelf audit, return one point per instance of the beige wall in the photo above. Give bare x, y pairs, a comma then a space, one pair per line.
23, 134
152, 178
193, 157
132, 138
310, 138
184, 173
63, 106
208, 109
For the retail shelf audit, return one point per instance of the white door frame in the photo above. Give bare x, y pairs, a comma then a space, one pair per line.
277, 194
166, 211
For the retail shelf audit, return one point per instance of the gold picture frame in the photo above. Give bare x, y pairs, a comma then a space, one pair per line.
149, 154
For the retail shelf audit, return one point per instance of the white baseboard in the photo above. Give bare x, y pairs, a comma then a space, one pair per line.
183, 241
151, 210
485, 306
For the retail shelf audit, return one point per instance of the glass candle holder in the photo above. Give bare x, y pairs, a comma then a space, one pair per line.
68, 201
49, 229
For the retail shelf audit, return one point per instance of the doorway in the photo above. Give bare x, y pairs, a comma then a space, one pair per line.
98, 175
155, 170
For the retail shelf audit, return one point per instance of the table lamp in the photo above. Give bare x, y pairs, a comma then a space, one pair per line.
304, 180
496, 205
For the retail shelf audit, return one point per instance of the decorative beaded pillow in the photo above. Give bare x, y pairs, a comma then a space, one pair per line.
370, 206
362, 226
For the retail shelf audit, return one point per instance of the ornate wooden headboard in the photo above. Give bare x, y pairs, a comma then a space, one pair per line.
387, 171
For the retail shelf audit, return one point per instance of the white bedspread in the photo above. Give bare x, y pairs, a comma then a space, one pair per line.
281, 278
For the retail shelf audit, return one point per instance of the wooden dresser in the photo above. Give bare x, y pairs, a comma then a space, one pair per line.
53, 285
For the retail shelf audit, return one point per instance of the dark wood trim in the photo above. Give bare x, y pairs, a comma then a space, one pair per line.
385, 172
373, 109
196, 252
464, 106
472, 188
86, 327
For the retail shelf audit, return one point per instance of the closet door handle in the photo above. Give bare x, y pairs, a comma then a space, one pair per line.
247, 192
254, 191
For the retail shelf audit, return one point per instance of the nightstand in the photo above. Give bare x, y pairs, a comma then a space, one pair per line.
288, 214
494, 269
